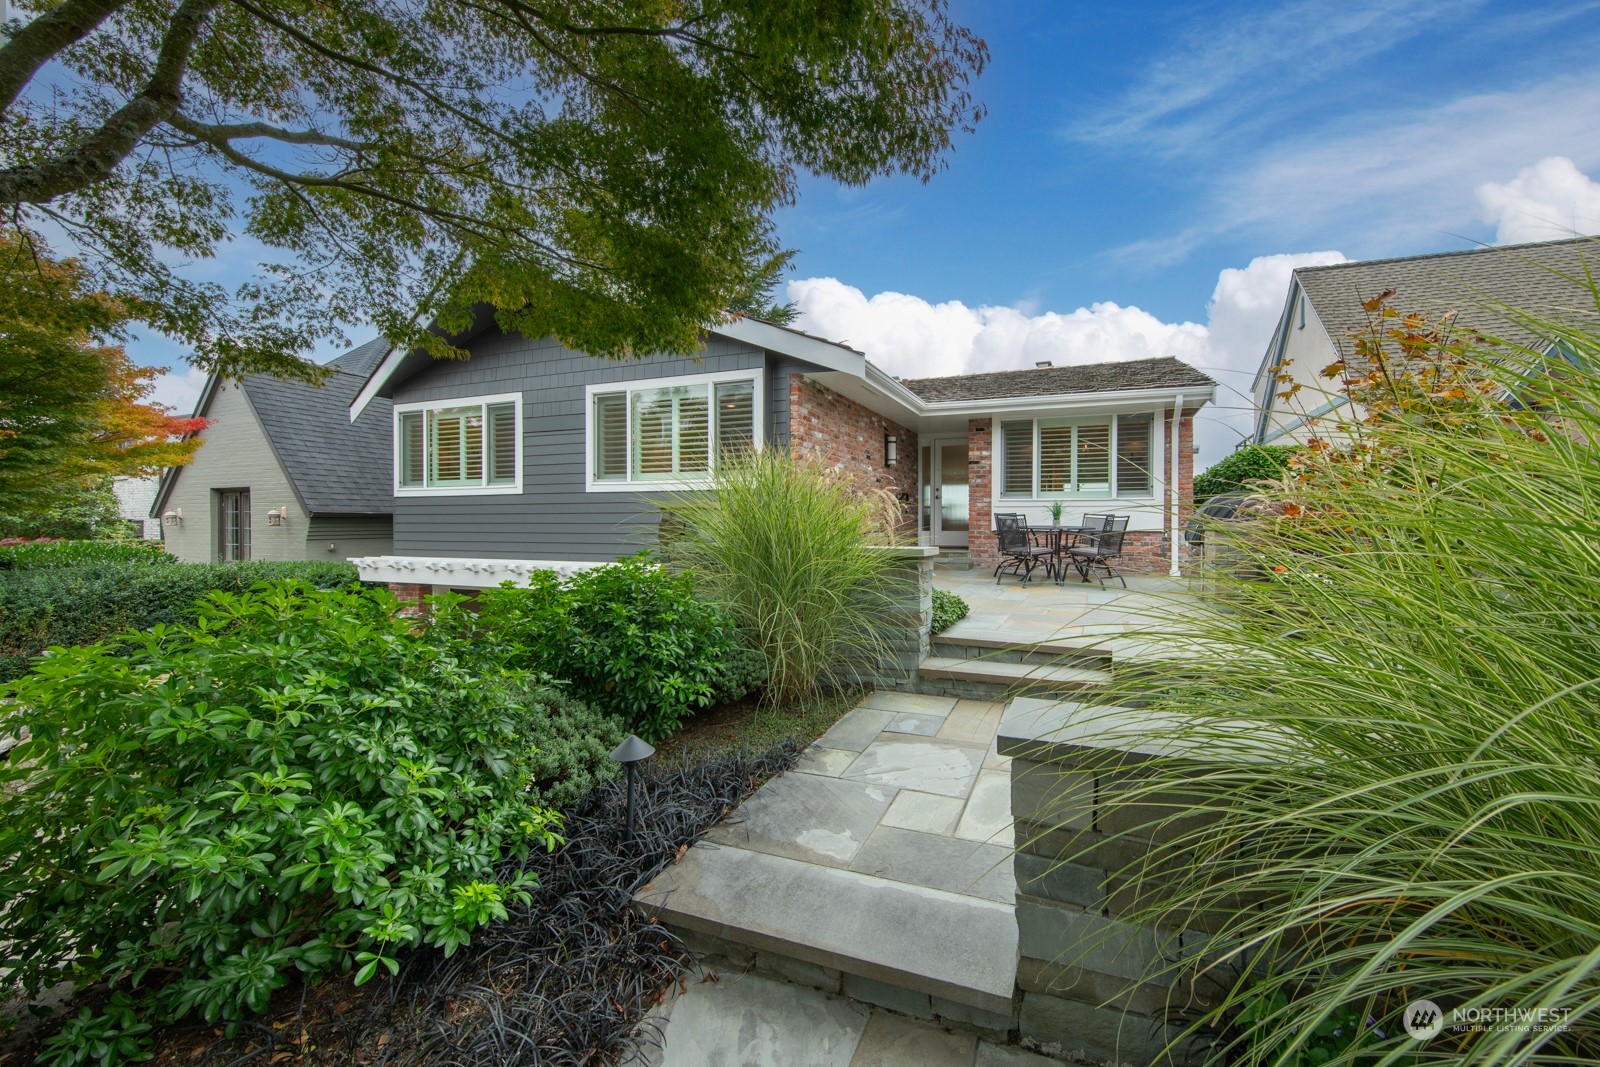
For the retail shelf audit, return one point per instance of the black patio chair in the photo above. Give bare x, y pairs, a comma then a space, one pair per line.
1098, 551
1018, 553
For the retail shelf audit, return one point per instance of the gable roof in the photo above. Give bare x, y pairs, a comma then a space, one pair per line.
336, 466
1163, 372
1547, 278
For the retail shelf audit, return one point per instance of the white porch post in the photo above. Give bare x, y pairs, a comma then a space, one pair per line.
1175, 481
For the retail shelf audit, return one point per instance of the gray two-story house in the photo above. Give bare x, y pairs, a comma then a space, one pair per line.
530, 455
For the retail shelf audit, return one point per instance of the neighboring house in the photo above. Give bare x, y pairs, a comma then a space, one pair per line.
134, 498
1324, 309
283, 472
529, 455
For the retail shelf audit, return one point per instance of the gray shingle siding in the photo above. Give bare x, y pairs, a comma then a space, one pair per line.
553, 517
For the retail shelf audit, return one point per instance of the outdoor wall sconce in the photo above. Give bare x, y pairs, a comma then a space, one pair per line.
891, 450
172, 518
278, 516
630, 754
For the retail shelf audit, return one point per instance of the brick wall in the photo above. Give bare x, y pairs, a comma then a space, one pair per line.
410, 596
981, 541
850, 437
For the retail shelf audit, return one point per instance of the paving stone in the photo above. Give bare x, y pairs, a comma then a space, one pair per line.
991, 1054
962, 948
1060, 881
808, 817
891, 1041
925, 764
988, 813
946, 863
856, 730
888, 700
751, 1021
928, 813
973, 720
895, 998
909, 723
1098, 1033
826, 761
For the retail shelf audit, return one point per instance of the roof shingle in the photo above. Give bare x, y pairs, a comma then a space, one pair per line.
338, 467
1164, 372
1546, 279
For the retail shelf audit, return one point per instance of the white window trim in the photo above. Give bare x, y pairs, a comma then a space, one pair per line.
628, 485
1157, 470
515, 399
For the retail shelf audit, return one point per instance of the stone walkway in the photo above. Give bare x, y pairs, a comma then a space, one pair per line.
878, 872
733, 1019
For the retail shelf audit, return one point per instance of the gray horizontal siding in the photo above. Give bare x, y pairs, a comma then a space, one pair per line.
553, 517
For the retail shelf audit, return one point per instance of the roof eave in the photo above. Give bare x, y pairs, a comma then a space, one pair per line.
1202, 394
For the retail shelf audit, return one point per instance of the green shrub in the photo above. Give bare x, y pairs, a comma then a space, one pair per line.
40, 555
1403, 727
573, 753
296, 780
743, 670
632, 639
46, 605
1237, 472
948, 609
794, 552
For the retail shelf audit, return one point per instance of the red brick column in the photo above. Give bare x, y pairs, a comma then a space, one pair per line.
410, 596
849, 437
981, 541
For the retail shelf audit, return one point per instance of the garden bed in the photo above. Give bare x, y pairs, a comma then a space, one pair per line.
566, 979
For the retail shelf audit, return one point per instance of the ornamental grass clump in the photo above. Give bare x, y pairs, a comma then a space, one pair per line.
298, 781
1395, 724
795, 552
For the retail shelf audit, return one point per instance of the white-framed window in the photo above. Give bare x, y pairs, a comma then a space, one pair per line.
668, 433
464, 445
1101, 457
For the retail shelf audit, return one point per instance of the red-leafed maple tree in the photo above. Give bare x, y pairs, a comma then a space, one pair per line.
74, 410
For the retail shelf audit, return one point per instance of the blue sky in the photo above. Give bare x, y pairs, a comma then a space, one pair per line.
1149, 173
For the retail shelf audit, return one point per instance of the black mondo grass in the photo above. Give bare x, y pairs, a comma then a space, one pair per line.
565, 980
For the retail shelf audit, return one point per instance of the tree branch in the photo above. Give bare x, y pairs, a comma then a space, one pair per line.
96, 156
43, 39
211, 133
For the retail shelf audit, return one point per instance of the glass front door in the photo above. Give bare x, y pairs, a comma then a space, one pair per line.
944, 492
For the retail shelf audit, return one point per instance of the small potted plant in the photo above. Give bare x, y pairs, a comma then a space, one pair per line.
1055, 513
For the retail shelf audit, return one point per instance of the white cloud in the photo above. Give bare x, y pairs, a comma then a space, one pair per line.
912, 338
1394, 182
1550, 199
179, 389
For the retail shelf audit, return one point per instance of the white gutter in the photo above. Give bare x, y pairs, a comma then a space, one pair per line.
1175, 481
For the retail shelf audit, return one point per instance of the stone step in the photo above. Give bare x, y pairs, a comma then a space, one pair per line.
998, 647
991, 680
879, 934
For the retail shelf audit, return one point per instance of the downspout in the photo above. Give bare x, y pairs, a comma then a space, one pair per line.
1175, 481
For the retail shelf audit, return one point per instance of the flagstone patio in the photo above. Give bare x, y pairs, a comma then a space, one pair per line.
880, 869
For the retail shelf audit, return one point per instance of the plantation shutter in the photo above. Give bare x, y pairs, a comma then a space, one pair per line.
413, 449
457, 446
736, 417
694, 430
1093, 474
1017, 441
502, 444
611, 437
652, 434
1055, 459
1133, 453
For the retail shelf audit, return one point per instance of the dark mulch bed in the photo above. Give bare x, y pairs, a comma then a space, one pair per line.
566, 980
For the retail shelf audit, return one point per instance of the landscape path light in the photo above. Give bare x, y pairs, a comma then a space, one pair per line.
630, 754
